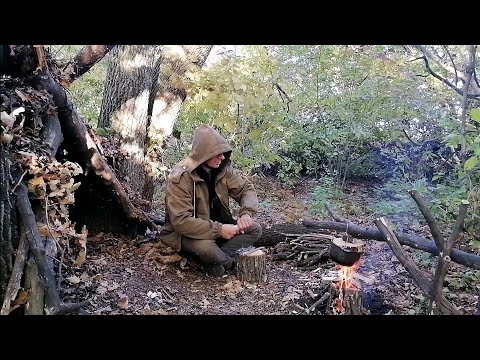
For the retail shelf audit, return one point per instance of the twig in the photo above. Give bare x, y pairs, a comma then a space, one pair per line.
19, 181
17, 272
444, 260
335, 216
410, 139
427, 214
453, 63
322, 299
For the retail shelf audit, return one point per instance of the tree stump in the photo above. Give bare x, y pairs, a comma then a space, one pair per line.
252, 267
345, 301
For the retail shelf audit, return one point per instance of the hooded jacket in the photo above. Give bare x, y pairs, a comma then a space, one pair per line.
187, 199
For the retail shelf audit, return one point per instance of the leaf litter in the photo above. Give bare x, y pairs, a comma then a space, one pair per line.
124, 276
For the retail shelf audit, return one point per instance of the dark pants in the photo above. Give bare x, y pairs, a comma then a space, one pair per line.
221, 251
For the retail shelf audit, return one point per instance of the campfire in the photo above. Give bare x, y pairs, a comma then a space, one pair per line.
346, 276
345, 289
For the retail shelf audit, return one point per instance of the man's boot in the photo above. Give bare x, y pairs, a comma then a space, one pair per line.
214, 270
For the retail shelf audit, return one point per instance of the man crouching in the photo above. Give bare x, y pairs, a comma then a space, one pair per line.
197, 217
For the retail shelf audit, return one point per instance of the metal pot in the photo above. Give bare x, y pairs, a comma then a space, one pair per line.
346, 251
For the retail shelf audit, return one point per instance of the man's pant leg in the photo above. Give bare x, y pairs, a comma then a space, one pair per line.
243, 240
207, 251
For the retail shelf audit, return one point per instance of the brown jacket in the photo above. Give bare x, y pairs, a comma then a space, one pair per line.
186, 198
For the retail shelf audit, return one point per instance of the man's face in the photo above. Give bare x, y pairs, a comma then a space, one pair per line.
214, 162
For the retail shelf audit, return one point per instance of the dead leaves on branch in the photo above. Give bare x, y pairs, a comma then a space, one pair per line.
21, 107
53, 184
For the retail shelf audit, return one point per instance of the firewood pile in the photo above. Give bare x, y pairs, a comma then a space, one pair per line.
307, 250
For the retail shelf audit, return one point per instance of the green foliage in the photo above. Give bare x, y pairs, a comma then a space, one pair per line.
467, 281
326, 193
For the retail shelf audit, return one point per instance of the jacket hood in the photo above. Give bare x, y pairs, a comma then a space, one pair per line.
207, 143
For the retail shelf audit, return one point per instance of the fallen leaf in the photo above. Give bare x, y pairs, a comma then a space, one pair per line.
233, 287
152, 294
73, 280
204, 303
6, 120
21, 95
101, 290
81, 258
168, 259
22, 297
123, 302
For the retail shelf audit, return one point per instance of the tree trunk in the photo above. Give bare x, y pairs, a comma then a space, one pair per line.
6, 247
125, 106
166, 99
142, 98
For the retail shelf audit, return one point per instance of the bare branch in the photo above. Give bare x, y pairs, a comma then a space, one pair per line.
462, 213
281, 91
446, 82
463, 118
82, 62
427, 214
444, 260
335, 216
453, 63
459, 74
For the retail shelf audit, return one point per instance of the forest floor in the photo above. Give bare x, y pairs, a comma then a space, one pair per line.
126, 276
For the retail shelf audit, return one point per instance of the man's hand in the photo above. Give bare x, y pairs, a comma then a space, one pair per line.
229, 231
244, 223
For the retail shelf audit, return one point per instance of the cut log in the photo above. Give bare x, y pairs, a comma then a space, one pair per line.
345, 301
252, 267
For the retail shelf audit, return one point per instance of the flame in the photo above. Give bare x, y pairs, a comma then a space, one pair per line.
346, 274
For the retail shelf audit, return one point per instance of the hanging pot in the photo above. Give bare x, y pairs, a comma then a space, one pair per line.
346, 251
